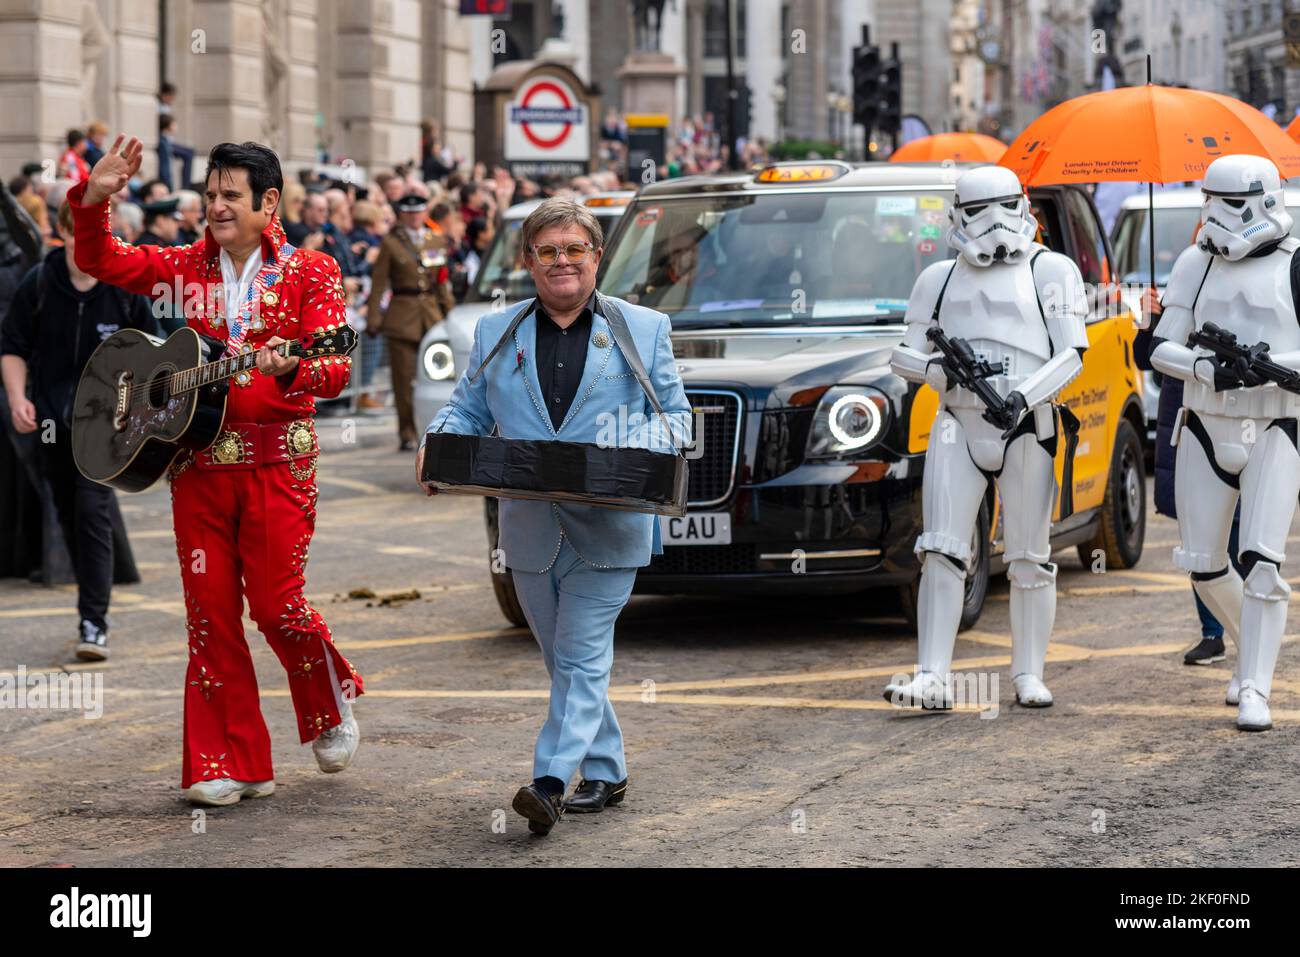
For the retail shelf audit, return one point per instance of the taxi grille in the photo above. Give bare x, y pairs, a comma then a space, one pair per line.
732, 559
717, 420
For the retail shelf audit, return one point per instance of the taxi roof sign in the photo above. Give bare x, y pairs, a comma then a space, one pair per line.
801, 172
607, 200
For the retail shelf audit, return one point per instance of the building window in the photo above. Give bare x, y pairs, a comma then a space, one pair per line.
715, 29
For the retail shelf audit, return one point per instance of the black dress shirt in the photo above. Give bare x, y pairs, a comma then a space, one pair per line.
561, 357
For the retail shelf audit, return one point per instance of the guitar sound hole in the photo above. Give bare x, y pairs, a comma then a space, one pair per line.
159, 390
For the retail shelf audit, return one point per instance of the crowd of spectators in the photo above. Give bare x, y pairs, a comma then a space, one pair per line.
333, 207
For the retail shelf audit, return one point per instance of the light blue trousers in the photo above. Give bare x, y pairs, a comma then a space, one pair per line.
572, 609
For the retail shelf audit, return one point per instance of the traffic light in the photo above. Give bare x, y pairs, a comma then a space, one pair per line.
866, 85
891, 93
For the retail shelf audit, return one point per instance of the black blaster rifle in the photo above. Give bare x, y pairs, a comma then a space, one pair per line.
970, 372
1228, 352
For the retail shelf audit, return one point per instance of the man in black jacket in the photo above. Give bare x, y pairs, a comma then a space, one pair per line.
58, 317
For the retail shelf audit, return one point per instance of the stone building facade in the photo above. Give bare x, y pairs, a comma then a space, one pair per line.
343, 79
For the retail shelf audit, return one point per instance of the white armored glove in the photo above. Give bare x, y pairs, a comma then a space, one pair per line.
936, 376
1206, 371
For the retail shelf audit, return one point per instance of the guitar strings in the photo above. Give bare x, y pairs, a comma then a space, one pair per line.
136, 390
172, 379
293, 348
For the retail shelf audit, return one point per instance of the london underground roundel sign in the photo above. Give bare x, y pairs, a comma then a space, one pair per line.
546, 121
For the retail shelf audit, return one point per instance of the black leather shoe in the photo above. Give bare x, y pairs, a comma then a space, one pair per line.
540, 808
406, 445
592, 797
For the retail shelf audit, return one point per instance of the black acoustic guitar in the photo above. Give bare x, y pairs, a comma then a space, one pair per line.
143, 401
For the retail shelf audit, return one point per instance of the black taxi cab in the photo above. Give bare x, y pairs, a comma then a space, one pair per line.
786, 288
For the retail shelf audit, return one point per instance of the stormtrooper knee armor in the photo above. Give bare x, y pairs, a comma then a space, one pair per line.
1021, 308
1237, 437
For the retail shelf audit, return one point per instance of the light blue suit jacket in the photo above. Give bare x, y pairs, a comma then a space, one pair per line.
608, 409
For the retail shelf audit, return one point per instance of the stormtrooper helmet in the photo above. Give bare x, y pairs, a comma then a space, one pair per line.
990, 217
1244, 206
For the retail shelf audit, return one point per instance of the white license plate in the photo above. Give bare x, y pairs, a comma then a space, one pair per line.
696, 528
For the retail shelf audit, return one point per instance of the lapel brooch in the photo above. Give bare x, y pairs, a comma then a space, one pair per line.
600, 340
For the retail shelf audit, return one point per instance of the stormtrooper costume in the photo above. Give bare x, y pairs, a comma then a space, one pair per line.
1237, 435
1021, 307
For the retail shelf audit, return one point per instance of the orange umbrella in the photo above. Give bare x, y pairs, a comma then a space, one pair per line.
1294, 129
958, 147
1151, 134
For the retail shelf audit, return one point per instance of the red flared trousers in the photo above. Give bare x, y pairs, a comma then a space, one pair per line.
244, 533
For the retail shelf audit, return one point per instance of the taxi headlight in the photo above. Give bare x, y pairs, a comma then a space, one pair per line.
848, 419
439, 363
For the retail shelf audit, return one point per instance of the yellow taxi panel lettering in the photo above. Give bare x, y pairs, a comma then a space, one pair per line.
801, 173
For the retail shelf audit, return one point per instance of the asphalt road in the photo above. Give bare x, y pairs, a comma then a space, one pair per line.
756, 731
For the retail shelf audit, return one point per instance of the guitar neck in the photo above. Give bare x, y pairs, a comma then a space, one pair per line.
223, 368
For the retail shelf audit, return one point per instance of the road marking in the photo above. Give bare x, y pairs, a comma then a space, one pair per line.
751, 681
364, 644
1104, 710
354, 484
1004, 641
168, 607
320, 600
1168, 578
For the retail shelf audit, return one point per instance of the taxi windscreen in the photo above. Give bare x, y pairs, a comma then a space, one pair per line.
779, 257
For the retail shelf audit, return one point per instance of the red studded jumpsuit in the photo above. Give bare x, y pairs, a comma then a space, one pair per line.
244, 510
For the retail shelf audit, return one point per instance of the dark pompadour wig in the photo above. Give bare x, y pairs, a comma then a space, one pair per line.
262, 164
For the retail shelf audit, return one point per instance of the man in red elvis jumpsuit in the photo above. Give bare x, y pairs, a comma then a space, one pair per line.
244, 509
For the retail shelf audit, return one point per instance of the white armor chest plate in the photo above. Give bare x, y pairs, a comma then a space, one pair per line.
1250, 298
995, 309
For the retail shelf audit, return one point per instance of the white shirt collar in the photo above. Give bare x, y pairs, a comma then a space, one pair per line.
236, 287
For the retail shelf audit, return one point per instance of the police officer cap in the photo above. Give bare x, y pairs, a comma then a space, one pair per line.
412, 203
161, 207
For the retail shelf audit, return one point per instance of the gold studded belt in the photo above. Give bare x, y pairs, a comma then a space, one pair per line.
246, 445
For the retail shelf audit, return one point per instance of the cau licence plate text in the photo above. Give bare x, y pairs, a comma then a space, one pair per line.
696, 528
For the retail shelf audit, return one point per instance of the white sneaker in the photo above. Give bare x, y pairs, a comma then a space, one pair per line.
1031, 692
334, 748
1252, 712
225, 791
1233, 695
927, 691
